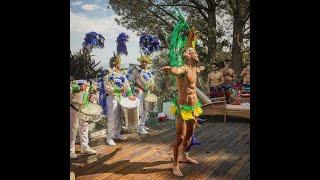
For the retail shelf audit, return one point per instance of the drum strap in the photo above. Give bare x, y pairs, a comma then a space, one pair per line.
74, 107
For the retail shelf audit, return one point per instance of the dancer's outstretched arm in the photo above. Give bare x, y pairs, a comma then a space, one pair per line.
174, 70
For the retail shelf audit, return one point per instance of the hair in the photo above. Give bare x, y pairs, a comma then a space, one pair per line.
114, 60
146, 59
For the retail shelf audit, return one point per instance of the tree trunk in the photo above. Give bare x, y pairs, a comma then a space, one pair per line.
212, 39
236, 45
240, 11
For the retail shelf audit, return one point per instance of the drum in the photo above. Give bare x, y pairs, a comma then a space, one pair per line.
91, 113
150, 102
76, 99
130, 110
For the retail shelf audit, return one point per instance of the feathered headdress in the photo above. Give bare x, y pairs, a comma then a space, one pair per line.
145, 58
192, 37
122, 39
113, 60
93, 40
182, 39
149, 44
178, 40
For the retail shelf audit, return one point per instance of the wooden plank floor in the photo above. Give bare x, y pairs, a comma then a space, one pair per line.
224, 153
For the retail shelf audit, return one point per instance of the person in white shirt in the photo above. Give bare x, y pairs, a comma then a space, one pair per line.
117, 86
144, 83
76, 121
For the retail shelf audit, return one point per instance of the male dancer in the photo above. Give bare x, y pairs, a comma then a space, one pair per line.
186, 107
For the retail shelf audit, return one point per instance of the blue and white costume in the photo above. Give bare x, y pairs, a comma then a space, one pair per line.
143, 84
117, 86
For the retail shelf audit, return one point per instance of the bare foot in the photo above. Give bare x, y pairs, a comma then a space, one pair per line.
188, 160
176, 170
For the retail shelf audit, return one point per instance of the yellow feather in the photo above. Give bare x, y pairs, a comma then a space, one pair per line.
186, 115
173, 109
198, 111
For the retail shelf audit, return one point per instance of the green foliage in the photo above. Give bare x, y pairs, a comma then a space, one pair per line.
245, 57
157, 17
83, 66
165, 87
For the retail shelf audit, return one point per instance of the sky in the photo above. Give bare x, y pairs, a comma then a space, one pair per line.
92, 15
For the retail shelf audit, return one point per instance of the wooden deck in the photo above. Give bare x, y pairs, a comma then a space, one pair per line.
224, 153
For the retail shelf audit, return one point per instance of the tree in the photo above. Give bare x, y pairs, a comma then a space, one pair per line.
241, 12
218, 36
158, 17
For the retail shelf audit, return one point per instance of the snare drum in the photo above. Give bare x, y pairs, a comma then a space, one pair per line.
76, 98
91, 113
150, 102
130, 110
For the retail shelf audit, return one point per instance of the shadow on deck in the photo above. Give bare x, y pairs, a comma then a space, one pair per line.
224, 153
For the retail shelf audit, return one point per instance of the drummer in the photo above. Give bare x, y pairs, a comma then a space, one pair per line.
117, 86
76, 122
144, 83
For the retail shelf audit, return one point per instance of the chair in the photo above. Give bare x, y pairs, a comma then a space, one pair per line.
217, 106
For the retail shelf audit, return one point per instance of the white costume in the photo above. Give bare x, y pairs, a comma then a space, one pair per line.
77, 122
114, 82
144, 83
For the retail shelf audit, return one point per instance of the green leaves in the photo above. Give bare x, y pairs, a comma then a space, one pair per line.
82, 66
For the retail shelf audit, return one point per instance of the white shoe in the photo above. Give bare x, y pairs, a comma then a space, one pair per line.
73, 155
142, 131
120, 137
110, 142
146, 128
88, 150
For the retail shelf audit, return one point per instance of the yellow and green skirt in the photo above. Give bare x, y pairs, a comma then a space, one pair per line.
187, 112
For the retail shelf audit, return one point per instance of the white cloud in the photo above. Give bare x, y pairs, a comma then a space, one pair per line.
90, 7
76, 3
106, 25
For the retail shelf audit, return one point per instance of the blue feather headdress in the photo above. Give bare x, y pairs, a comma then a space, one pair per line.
93, 40
121, 43
149, 44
